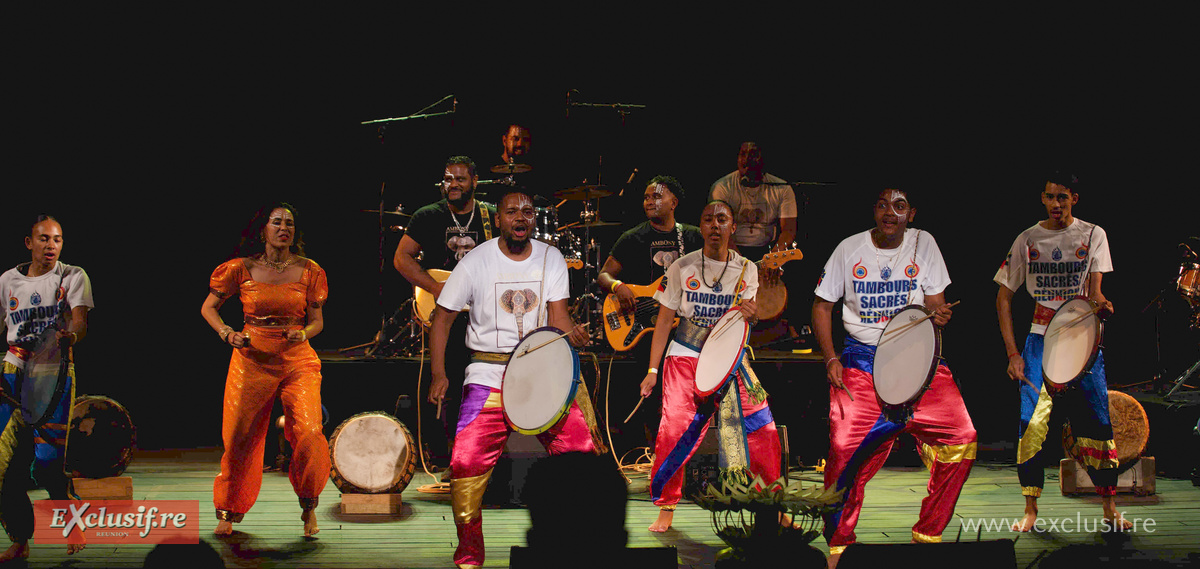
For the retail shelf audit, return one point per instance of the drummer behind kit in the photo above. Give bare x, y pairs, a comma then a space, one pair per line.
624, 329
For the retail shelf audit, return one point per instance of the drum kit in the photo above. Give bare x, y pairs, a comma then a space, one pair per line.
400, 335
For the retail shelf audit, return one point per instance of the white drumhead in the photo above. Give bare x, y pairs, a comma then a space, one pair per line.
906, 357
371, 451
1070, 342
721, 351
539, 385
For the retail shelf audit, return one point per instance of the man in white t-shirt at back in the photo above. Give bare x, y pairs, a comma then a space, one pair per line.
512, 284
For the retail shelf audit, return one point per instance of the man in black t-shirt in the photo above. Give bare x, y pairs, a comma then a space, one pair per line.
640, 256
441, 233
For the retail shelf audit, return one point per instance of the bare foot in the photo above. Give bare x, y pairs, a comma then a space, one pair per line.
73, 548
1109, 503
1026, 523
224, 527
787, 521
18, 550
310, 522
663, 523
832, 562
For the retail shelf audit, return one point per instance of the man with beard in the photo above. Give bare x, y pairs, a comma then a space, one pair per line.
764, 207
489, 279
642, 255
441, 233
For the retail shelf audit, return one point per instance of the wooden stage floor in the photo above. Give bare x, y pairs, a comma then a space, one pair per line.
423, 534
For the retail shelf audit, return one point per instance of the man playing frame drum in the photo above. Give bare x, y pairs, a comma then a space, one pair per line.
875, 274
1056, 260
701, 287
512, 283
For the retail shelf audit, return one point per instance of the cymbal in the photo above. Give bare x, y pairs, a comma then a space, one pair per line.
586, 192
388, 212
595, 223
511, 168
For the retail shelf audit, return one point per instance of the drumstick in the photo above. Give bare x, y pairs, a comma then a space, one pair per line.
922, 319
1077, 319
635, 408
848, 394
439, 409
724, 326
550, 341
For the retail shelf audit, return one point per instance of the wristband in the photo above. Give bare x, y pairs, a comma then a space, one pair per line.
1010, 356
652, 370
224, 333
829, 359
613, 288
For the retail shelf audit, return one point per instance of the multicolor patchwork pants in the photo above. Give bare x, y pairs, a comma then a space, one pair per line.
861, 436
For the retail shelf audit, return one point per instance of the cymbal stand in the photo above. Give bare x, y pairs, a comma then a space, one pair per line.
382, 127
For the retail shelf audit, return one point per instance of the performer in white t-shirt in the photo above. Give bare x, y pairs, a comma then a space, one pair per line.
513, 284
39, 294
875, 274
1059, 258
699, 288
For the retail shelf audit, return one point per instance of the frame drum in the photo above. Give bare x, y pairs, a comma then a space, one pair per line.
372, 453
1072, 341
539, 386
722, 352
906, 357
1131, 430
102, 437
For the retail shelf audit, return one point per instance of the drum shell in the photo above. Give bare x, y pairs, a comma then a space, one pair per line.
1131, 430
101, 438
1188, 283
933, 366
404, 474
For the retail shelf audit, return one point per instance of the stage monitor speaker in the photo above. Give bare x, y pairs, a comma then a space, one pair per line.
975, 554
630, 557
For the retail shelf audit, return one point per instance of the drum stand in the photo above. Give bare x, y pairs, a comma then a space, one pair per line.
1186, 396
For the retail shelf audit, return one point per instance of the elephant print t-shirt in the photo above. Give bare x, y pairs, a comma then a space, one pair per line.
507, 298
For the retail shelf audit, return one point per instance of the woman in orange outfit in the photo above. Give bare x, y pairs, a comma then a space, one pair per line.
281, 294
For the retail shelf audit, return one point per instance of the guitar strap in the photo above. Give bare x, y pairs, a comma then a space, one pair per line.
487, 223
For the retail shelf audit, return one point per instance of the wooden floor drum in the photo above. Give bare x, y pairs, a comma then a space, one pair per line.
101, 440
372, 453
1131, 430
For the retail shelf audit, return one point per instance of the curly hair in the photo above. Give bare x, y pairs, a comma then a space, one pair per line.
252, 236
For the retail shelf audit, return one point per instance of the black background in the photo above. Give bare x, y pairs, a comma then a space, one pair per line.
153, 135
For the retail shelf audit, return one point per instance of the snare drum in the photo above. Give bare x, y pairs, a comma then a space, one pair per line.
1189, 280
539, 382
102, 438
906, 357
372, 453
1072, 342
722, 351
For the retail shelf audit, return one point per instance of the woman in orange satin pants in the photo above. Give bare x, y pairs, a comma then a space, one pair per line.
281, 294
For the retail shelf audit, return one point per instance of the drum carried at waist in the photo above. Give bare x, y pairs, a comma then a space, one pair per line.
372, 453
721, 354
1072, 342
540, 381
906, 357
